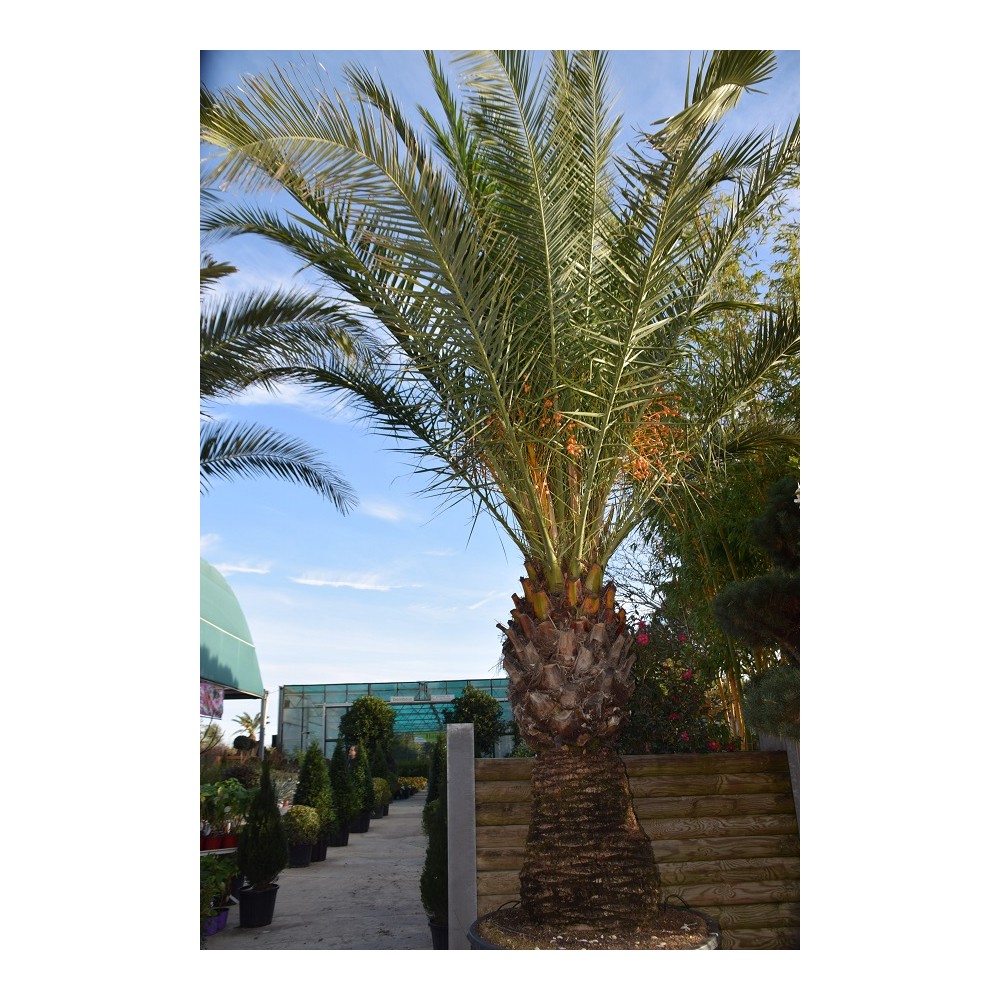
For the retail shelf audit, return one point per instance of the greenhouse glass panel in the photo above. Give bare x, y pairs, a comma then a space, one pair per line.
314, 711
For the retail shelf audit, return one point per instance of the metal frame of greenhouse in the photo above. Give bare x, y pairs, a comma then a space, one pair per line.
313, 711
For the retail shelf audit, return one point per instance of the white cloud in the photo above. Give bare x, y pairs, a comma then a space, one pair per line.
353, 581
486, 600
383, 511
333, 408
226, 568
208, 542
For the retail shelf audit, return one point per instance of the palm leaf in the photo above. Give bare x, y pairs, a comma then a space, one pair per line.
244, 450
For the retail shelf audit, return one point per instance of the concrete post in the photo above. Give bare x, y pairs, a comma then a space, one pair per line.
461, 835
791, 748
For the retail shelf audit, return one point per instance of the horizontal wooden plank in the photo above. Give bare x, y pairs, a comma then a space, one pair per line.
737, 894
721, 848
498, 883
503, 813
754, 915
706, 803
722, 871
506, 769
519, 814
713, 805
503, 791
750, 783
499, 859
718, 826
758, 762
685, 839
776, 939
501, 836
639, 765
693, 872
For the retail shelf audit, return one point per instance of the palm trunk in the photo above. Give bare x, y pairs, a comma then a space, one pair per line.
588, 863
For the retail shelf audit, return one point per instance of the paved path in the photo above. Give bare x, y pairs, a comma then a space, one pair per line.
364, 896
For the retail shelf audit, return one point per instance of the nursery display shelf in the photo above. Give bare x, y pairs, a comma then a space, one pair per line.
221, 850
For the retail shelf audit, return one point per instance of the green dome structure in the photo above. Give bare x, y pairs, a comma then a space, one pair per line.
228, 656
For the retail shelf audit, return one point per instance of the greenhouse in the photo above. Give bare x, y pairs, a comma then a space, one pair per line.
313, 711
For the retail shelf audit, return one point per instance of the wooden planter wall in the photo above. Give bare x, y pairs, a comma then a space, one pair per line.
723, 830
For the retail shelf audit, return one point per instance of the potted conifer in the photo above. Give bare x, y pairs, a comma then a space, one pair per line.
383, 795
313, 789
346, 803
302, 830
361, 774
261, 855
434, 876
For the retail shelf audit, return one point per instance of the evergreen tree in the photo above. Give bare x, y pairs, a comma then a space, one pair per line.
485, 714
263, 848
346, 801
369, 721
435, 778
314, 789
362, 777
764, 612
434, 876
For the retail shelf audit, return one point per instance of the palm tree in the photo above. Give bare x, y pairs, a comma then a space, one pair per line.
540, 296
249, 724
247, 340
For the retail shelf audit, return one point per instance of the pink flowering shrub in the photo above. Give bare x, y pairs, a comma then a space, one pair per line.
670, 710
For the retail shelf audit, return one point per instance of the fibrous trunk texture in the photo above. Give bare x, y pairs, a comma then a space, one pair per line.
588, 863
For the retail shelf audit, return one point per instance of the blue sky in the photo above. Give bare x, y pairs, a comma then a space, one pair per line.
396, 590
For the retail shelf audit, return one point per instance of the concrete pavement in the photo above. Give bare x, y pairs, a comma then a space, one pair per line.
364, 896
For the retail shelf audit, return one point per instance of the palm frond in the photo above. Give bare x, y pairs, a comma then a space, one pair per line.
248, 339
245, 450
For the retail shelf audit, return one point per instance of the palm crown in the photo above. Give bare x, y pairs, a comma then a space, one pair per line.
541, 293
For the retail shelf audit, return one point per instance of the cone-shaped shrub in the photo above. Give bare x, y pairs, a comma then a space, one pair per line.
382, 767
362, 775
434, 877
437, 767
263, 848
346, 802
314, 787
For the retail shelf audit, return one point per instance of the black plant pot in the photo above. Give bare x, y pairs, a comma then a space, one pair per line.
340, 837
319, 848
361, 823
299, 855
439, 936
378, 812
257, 905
